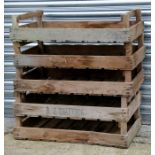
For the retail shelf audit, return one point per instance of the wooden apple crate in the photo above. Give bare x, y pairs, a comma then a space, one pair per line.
108, 71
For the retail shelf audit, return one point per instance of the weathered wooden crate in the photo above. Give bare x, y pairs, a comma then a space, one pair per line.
81, 131
51, 117
78, 107
79, 82
49, 76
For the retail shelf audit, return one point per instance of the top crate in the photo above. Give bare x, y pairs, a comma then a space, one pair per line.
125, 30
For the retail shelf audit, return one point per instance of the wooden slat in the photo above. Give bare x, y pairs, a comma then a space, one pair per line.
137, 81
123, 124
71, 34
133, 131
62, 135
75, 87
71, 61
78, 34
136, 30
138, 56
74, 112
80, 87
133, 106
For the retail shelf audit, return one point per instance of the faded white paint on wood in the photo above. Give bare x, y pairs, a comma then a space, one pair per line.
74, 112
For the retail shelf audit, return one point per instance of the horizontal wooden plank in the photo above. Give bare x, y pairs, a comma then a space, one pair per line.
74, 112
75, 87
72, 61
62, 135
71, 34
78, 34
80, 87
133, 106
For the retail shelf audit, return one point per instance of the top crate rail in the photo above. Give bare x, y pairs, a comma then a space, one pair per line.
121, 31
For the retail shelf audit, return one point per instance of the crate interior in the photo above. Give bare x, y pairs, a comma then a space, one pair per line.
107, 23
81, 100
76, 74
83, 50
81, 125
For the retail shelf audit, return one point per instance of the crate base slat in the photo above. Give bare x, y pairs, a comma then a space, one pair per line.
78, 136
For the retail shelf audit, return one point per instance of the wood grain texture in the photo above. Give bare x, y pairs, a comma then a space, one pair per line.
138, 56
80, 87
137, 81
73, 112
134, 105
136, 30
123, 124
61, 135
75, 87
133, 131
79, 61
71, 61
78, 34
71, 34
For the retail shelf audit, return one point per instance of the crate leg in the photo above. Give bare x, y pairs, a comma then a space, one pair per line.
140, 44
128, 78
123, 124
19, 71
128, 52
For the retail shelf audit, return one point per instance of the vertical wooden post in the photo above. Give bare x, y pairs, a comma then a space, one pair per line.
140, 44
128, 52
16, 47
40, 24
123, 124
138, 15
127, 74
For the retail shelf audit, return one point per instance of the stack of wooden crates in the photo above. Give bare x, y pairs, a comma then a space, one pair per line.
80, 81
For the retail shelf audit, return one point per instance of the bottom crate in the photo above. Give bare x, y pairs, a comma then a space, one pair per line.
82, 131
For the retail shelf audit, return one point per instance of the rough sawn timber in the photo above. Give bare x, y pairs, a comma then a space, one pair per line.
79, 61
78, 34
